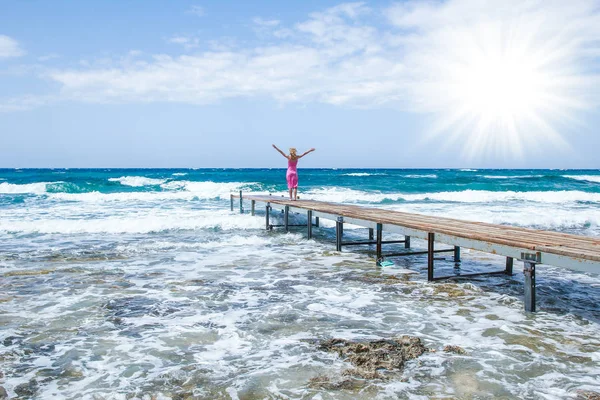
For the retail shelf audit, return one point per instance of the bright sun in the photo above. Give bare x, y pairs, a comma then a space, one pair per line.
498, 89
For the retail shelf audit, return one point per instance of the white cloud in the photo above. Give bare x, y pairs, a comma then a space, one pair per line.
9, 47
335, 56
179, 40
265, 22
494, 68
197, 11
26, 102
341, 62
48, 57
188, 42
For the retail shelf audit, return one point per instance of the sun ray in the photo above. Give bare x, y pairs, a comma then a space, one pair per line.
501, 85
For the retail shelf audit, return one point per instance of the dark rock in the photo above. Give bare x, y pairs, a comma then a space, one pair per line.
587, 395
369, 358
3, 394
27, 389
326, 383
454, 349
11, 340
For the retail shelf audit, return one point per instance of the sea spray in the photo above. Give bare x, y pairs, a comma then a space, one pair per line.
113, 290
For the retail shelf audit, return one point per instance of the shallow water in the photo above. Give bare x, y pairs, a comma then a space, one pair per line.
165, 293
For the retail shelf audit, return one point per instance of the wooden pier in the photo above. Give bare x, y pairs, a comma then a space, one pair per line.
530, 246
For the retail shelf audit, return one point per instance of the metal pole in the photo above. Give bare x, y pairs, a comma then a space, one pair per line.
339, 232
231, 198
407, 242
509, 266
309, 224
267, 211
241, 203
286, 218
370, 234
456, 255
316, 222
430, 253
253, 206
529, 272
379, 235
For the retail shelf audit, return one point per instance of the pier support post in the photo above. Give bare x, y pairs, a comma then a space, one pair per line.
286, 218
379, 237
529, 272
339, 232
456, 255
267, 212
430, 254
370, 234
509, 266
253, 207
316, 222
309, 224
241, 203
407, 242
231, 198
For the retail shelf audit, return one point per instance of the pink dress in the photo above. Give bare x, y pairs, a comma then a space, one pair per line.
292, 174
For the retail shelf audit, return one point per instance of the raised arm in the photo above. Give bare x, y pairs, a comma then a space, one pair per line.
305, 153
282, 153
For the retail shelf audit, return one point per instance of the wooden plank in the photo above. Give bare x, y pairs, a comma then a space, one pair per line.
534, 237
536, 240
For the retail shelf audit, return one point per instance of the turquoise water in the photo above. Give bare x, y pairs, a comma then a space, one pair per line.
141, 283
381, 180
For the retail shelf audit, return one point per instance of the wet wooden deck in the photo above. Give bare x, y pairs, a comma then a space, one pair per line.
532, 246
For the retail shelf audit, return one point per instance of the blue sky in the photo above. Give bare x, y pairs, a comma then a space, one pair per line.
409, 84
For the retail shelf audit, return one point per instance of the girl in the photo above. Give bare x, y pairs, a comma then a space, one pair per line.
292, 172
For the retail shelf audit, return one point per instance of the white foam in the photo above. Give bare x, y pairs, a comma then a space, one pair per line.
174, 190
137, 181
180, 174
35, 188
133, 223
362, 174
510, 177
97, 197
235, 241
222, 327
209, 189
588, 178
344, 195
431, 176
484, 196
532, 215
467, 170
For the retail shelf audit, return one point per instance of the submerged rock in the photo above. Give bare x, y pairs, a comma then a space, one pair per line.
587, 395
3, 394
450, 290
454, 349
27, 389
372, 357
382, 279
327, 383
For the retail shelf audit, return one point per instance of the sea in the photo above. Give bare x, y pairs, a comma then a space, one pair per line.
143, 284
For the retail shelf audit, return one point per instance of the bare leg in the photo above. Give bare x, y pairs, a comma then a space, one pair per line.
291, 190
295, 193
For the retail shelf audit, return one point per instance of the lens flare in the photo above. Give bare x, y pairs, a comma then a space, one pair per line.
502, 86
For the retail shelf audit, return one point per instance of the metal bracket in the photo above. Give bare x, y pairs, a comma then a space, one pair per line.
532, 257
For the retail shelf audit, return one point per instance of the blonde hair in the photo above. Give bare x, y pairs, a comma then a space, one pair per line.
293, 152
